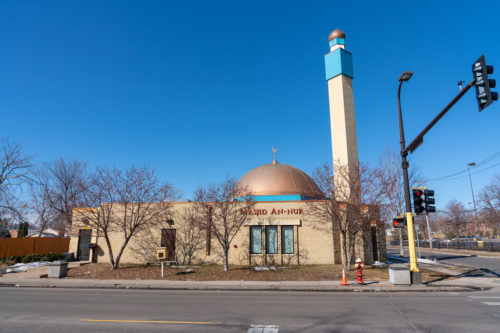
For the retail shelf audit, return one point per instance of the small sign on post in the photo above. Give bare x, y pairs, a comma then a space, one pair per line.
161, 255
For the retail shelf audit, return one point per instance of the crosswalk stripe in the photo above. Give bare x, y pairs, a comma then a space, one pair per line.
491, 303
263, 329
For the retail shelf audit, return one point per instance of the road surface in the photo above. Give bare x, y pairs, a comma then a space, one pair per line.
88, 310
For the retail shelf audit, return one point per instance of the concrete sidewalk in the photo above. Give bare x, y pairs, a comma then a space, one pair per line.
457, 285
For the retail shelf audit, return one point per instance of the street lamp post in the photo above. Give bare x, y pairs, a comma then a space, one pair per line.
471, 164
405, 76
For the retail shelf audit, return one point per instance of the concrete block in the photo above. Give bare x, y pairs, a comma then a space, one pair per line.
58, 269
399, 274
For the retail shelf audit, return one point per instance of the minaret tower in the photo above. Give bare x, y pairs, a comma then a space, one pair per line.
339, 74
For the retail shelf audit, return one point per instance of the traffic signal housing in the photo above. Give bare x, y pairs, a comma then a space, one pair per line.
399, 222
429, 201
418, 201
480, 73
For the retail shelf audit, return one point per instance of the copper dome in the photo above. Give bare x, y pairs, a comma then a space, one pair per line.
337, 33
279, 179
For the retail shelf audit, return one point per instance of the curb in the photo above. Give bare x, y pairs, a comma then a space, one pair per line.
354, 288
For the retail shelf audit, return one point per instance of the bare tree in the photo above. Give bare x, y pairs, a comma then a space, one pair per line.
489, 203
390, 179
60, 185
190, 238
125, 202
40, 207
457, 216
15, 168
220, 208
347, 209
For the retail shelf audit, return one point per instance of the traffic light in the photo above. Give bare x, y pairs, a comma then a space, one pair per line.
480, 73
418, 201
399, 222
429, 200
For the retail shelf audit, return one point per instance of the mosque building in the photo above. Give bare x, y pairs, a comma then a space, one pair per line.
279, 228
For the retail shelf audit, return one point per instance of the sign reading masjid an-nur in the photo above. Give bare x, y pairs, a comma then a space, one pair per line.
273, 211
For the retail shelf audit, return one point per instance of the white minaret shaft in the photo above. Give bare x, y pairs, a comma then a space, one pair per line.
339, 74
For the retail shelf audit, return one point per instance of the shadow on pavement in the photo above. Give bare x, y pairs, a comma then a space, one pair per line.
471, 273
489, 271
450, 257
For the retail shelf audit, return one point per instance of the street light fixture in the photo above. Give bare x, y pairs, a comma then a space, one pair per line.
405, 76
472, 164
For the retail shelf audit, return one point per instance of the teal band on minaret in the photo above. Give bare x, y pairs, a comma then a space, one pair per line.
337, 41
338, 62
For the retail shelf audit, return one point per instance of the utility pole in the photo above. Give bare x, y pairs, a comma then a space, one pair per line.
473, 199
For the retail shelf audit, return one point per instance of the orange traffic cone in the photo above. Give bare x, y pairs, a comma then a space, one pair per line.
344, 280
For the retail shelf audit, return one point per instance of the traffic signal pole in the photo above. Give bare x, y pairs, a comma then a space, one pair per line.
484, 96
404, 165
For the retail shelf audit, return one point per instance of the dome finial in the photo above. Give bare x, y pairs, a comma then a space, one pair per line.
274, 151
337, 33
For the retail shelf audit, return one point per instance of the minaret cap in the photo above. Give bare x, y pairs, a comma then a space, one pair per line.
337, 33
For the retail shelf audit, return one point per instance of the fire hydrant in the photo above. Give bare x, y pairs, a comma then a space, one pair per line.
359, 267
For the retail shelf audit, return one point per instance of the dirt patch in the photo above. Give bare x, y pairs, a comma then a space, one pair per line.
247, 273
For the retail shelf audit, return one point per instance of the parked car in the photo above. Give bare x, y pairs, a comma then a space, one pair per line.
4, 233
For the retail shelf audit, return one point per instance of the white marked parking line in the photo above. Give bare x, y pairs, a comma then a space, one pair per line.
263, 329
491, 303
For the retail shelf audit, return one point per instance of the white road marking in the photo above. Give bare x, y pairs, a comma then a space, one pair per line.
491, 303
263, 329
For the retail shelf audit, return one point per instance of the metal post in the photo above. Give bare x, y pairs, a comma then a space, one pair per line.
428, 229
404, 165
162, 263
418, 242
401, 248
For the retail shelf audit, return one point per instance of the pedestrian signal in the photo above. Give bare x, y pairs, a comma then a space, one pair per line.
399, 222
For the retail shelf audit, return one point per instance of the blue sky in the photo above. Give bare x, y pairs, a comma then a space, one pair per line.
200, 90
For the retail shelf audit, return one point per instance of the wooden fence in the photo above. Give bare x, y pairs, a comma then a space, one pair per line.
30, 245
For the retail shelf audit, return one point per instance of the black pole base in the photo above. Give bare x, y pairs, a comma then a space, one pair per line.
416, 278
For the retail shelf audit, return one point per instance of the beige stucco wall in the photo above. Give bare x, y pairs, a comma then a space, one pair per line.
313, 240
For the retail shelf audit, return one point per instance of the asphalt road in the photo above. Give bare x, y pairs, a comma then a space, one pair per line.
490, 266
87, 310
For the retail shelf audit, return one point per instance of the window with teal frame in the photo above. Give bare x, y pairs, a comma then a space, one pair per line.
271, 240
255, 240
287, 239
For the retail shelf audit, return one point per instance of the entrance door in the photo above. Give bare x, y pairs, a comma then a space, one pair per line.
168, 241
83, 245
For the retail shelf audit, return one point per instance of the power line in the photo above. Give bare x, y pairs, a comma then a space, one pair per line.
463, 177
485, 161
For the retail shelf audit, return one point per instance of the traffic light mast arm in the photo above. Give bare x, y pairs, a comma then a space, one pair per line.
420, 138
